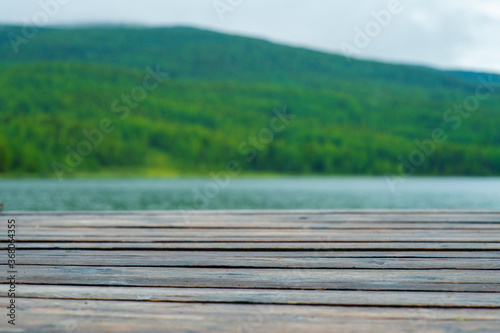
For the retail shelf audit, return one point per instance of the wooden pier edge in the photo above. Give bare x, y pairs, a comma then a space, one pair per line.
254, 271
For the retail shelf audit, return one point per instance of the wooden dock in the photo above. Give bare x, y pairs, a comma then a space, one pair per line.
255, 271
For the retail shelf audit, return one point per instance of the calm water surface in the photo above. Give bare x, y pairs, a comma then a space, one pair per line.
250, 193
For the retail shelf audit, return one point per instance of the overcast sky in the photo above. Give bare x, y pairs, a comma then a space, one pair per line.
463, 34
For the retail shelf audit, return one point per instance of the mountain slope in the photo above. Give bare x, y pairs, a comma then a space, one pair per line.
349, 118
198, 54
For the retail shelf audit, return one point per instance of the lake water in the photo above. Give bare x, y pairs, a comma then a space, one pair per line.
250, 193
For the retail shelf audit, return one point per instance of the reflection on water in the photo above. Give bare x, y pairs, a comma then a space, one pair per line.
251, 193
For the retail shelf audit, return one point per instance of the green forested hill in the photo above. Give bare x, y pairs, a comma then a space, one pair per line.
352, 117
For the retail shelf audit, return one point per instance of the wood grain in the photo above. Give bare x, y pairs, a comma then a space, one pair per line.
354, 279
266, 296
367, 260
256, 271
258, 246
57, 316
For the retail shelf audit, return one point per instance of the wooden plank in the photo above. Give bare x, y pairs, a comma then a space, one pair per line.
266, 296
255, 246
103, 316
245, 259
259, 224
346, 279
437, 254
207, 219
254, 235
183, 220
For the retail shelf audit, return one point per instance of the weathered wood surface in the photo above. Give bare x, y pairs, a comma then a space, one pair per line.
260, 246
295, 259
256, 271
69, 315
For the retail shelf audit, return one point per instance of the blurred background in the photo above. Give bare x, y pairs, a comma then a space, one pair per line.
239, 104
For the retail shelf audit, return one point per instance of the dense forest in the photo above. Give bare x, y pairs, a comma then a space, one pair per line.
186, 101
